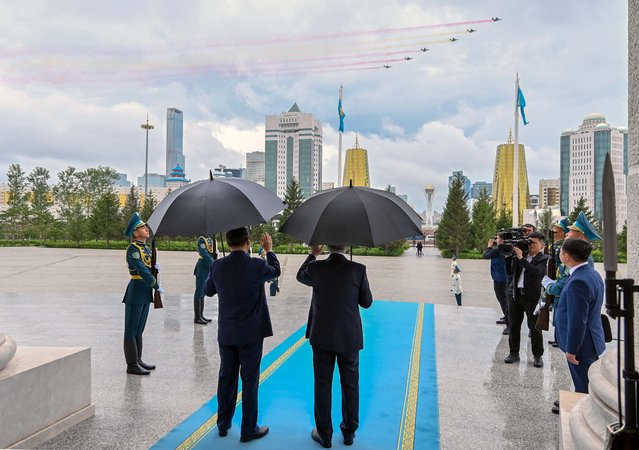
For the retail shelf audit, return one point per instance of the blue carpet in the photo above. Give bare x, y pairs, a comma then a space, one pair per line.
398, 390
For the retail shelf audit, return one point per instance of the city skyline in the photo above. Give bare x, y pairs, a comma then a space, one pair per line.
420, 118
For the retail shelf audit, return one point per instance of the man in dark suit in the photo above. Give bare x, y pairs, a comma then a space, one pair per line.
334, 330
579, 332
243, 323
528, 272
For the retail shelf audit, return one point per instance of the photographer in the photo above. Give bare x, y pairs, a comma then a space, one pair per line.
498, 274
528, 271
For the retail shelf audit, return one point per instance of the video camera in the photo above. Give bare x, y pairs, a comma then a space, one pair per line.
515, 237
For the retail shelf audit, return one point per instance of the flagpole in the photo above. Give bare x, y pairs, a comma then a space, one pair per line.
516, 158
339, 154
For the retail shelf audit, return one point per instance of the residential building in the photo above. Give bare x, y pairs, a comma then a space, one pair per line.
534, 201
326, 185
155, 180
174, 140
293, 149
549, 192
583, 153
227, 172
466, 184
255, 167
122, 180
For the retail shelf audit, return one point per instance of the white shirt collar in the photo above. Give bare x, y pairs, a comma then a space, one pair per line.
577, 267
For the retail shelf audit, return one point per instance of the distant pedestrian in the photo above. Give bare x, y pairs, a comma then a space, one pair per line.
457, 287
453, 264
419, 246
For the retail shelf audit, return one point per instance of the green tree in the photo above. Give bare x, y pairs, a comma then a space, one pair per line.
104, 220
70, 196
16, 215
96, 181
544, 222
150, 203
504, 218
453, 233
484, 221
579, 207
41, 200
622, 240
132, 205
293, 198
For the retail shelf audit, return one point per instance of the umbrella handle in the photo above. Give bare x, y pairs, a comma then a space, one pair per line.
351, 248
222, 242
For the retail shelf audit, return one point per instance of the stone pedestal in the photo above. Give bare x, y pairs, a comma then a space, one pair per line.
44, 391
591, 414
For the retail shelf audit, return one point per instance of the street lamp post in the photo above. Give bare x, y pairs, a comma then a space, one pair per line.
147, 126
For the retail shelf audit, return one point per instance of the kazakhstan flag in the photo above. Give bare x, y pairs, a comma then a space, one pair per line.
340, 111
521, 101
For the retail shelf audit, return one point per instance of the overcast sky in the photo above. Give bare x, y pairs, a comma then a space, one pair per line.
78, 78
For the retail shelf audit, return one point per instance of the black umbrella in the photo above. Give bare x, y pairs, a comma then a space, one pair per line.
353, 216
212, 206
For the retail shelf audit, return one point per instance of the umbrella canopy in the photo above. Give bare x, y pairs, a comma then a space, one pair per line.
213, 206
353, 216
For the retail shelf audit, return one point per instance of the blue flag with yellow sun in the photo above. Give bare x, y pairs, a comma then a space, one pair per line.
340, 111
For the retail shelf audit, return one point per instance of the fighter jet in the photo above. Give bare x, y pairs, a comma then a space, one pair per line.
408, 58
453, 39
424, 49
495, 19
470, 30
387, 67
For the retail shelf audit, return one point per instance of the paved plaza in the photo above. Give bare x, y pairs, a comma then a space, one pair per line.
72, 297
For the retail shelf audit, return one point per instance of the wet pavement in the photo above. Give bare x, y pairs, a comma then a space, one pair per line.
72, 297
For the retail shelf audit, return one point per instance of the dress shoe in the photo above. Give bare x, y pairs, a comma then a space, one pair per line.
200, 320
222, 430
512, 358
317, 438
538, 362
146, 366
260, 432
529, 333
554, 344
501, 321
506, 331
556, 403
348, 439
555, 409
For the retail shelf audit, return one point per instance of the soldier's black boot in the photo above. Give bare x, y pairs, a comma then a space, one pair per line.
197, 312
202, 310
131, 356
138, 341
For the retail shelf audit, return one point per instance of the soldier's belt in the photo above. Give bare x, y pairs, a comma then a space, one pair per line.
136, 277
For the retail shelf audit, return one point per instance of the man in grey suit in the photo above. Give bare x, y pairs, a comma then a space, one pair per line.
334, 330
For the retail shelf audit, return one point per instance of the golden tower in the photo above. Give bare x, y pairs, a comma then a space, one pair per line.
503, 178
356, 166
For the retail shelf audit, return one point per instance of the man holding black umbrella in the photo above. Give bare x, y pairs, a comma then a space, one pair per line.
243, 323
334, 329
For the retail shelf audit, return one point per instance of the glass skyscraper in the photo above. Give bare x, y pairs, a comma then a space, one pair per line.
293, 148
174, 140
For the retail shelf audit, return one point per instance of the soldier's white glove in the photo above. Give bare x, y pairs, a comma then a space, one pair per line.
157, 266
546, 281
160, 290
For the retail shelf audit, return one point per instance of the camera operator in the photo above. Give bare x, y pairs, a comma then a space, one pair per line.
528, 271
498, 274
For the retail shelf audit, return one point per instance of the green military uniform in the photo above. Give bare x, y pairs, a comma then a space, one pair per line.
207, 254
137, 299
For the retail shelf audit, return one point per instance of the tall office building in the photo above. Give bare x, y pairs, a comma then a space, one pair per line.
293, 149
466, 184
356, 166
503, 177
174, 140
583, 152
255, 167
478, 187
549, 192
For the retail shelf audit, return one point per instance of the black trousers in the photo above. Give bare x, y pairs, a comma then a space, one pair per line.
323, 367
501, 292
516, 311
241, 360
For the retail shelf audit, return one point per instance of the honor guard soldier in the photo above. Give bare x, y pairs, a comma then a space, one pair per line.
207, 251
138, 296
